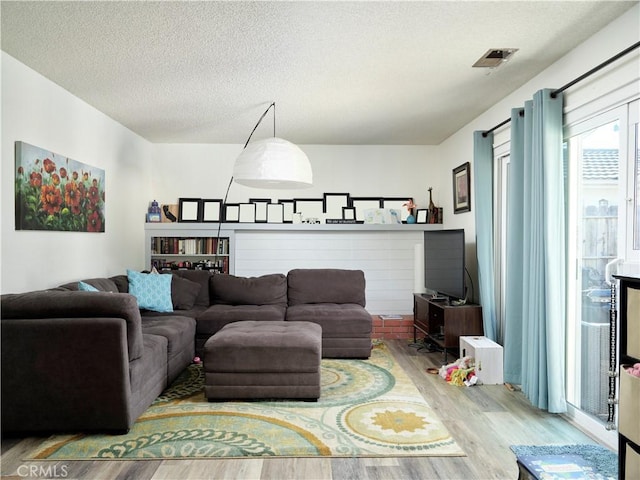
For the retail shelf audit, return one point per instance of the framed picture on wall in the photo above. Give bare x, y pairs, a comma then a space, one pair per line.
461, 189
421, 215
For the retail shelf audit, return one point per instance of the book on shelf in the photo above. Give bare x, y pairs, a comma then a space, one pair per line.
189, 246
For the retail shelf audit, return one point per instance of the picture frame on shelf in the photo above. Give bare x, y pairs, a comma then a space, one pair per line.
334, 203
247, 213
211, 210
462, 188
261, 208
189, 210
422, 215
287, 210
232, 212
397, 204
348, 213
275, 213
364, 203
309, 207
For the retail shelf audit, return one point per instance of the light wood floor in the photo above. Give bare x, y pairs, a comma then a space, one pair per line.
484, 420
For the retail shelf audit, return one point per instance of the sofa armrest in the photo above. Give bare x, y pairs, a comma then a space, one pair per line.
62, 305
65, 374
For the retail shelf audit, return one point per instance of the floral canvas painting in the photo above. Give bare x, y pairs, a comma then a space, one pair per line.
54, 192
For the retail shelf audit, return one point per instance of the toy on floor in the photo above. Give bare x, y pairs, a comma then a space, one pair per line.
461, 372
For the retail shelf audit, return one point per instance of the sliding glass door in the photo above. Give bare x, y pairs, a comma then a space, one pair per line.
601, 232
595, 235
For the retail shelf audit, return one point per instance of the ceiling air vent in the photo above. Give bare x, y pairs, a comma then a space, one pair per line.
495, 57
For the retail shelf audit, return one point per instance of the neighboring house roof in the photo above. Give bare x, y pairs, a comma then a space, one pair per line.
600, 164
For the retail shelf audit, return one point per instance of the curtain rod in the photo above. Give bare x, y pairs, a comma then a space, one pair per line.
555, 93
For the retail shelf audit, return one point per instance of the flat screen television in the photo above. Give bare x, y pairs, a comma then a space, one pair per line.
444, 269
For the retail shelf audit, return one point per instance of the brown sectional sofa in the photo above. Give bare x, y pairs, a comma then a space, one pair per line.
93, 361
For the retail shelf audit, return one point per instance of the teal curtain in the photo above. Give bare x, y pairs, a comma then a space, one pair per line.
535, 264
483, 188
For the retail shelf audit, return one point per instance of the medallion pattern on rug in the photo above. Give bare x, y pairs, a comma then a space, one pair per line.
367, 408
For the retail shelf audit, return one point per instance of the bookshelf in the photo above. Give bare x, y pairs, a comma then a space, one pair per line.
176, 246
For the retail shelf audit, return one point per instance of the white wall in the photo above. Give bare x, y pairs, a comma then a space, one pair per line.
39, 112
203, 171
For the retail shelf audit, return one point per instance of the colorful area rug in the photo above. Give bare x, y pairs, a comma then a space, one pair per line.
367, 408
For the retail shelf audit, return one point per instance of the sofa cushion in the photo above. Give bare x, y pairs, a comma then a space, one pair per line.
180, 333
188, 288
121, 282
265, 290
85, 287
152, 291
217, 316
100, 284
326, 285
336, 320
184, 293
201, 277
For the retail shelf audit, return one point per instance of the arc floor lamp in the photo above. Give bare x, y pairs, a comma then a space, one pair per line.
272, 162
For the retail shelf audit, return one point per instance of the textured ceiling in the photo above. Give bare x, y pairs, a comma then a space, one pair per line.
339, 72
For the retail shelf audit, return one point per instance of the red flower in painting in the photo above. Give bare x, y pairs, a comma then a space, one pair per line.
94, 222
51, 199
94, 196
35, 179
72, 195
49, 165
55, 178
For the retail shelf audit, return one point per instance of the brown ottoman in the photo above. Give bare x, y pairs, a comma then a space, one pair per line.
263, 360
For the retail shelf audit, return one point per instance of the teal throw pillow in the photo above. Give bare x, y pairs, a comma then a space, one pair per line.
85, 287
153, 292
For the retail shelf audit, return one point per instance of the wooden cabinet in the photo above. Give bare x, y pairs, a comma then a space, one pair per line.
443, 324
629, 397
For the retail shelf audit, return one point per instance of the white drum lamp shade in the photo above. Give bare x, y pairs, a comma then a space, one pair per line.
273, 163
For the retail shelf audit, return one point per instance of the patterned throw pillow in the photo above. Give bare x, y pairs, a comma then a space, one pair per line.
85, 287
153, 292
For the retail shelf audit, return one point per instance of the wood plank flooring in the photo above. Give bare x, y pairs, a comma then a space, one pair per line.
484, 420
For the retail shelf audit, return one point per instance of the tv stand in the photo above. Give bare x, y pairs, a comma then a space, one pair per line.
443, 324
